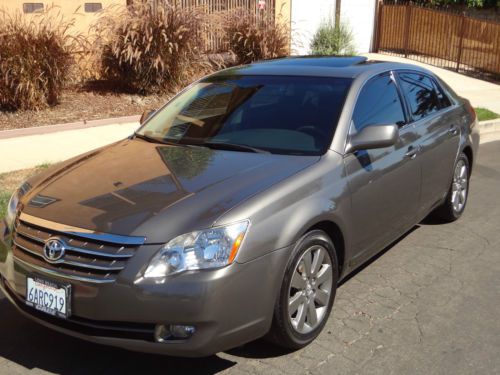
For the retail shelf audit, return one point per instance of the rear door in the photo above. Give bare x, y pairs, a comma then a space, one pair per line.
384, 183
436, 122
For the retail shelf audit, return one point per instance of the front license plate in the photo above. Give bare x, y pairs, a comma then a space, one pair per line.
47, 296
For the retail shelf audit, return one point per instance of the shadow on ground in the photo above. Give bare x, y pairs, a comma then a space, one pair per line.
35, 347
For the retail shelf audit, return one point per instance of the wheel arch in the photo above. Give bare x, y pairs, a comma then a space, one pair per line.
467, 150
335, 233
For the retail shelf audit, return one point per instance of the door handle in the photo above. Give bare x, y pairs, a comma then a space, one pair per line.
412, 152
453, 130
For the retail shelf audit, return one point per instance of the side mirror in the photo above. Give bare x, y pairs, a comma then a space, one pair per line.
376, 136
146, 115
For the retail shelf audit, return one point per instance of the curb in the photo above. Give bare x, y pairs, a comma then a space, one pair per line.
489, 130
47, 129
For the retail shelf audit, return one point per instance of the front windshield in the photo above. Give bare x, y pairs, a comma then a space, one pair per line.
277, 114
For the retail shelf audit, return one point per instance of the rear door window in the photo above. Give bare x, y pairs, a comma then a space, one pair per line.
421, 94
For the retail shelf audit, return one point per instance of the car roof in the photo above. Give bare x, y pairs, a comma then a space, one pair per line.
318, 66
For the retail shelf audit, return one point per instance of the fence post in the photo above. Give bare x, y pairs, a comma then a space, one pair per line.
378, 25
407, 29
461, 40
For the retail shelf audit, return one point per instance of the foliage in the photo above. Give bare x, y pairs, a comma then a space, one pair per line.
484, 114
461, 3
4, 201
35, 59
331, 39
150, 48
254, 37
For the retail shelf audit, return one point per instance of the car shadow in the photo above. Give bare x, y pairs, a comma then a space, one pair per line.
377, 256
33, 346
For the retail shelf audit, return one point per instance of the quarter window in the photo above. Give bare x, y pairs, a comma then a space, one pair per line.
443, 99
421, 94
378, 104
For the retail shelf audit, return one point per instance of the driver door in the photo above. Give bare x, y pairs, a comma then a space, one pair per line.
385, 182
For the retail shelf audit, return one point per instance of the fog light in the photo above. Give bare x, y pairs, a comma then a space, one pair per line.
173, 332
182, 332
162, 333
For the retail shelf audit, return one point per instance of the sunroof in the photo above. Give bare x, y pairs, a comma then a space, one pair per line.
325, 61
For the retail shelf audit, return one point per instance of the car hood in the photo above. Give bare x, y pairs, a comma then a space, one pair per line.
158, 191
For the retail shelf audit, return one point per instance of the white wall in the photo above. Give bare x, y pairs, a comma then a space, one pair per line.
307, 16
360, 16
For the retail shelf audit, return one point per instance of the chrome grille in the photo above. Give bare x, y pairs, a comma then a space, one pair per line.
89, 257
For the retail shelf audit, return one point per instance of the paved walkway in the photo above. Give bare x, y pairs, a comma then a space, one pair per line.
32, 150
480, 93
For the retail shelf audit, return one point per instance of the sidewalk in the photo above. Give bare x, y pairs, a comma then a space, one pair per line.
32, 150
481, 93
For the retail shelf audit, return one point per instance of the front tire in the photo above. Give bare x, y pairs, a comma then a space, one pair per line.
307, 292
456, 199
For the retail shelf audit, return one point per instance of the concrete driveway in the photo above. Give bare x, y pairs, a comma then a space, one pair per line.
430, 304
481, 93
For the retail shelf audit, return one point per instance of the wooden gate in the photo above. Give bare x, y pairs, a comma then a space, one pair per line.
440, 38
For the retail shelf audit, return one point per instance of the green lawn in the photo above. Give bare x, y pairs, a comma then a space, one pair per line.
4, 200
484, 114
11, 180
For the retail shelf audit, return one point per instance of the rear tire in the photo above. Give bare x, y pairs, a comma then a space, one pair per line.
307, 292
456, 199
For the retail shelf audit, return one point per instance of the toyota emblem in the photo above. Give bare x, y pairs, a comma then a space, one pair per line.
53, 250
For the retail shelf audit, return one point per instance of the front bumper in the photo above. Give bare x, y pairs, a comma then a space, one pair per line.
229, 306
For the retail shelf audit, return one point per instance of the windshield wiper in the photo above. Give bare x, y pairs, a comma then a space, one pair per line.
233, 147
157, 140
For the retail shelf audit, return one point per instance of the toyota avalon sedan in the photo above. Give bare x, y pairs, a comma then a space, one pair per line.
236, 209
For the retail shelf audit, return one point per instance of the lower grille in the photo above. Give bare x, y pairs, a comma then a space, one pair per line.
87, 257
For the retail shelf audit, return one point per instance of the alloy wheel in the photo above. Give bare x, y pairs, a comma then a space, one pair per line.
459, 186
310, 289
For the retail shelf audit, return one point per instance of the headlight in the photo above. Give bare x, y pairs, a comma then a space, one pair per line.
11, 213
211, 248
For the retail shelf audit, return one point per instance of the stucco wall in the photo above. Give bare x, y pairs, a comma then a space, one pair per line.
360, 16
307, 16
70, 9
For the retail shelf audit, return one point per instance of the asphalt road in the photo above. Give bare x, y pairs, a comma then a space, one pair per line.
430, 304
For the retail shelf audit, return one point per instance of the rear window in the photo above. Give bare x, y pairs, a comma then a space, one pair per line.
290, 115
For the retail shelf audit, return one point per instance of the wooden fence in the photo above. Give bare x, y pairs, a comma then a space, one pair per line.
216, 41
440, 38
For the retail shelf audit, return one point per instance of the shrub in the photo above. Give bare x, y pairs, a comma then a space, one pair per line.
35, 59
150, 49
255, 37
331, 39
